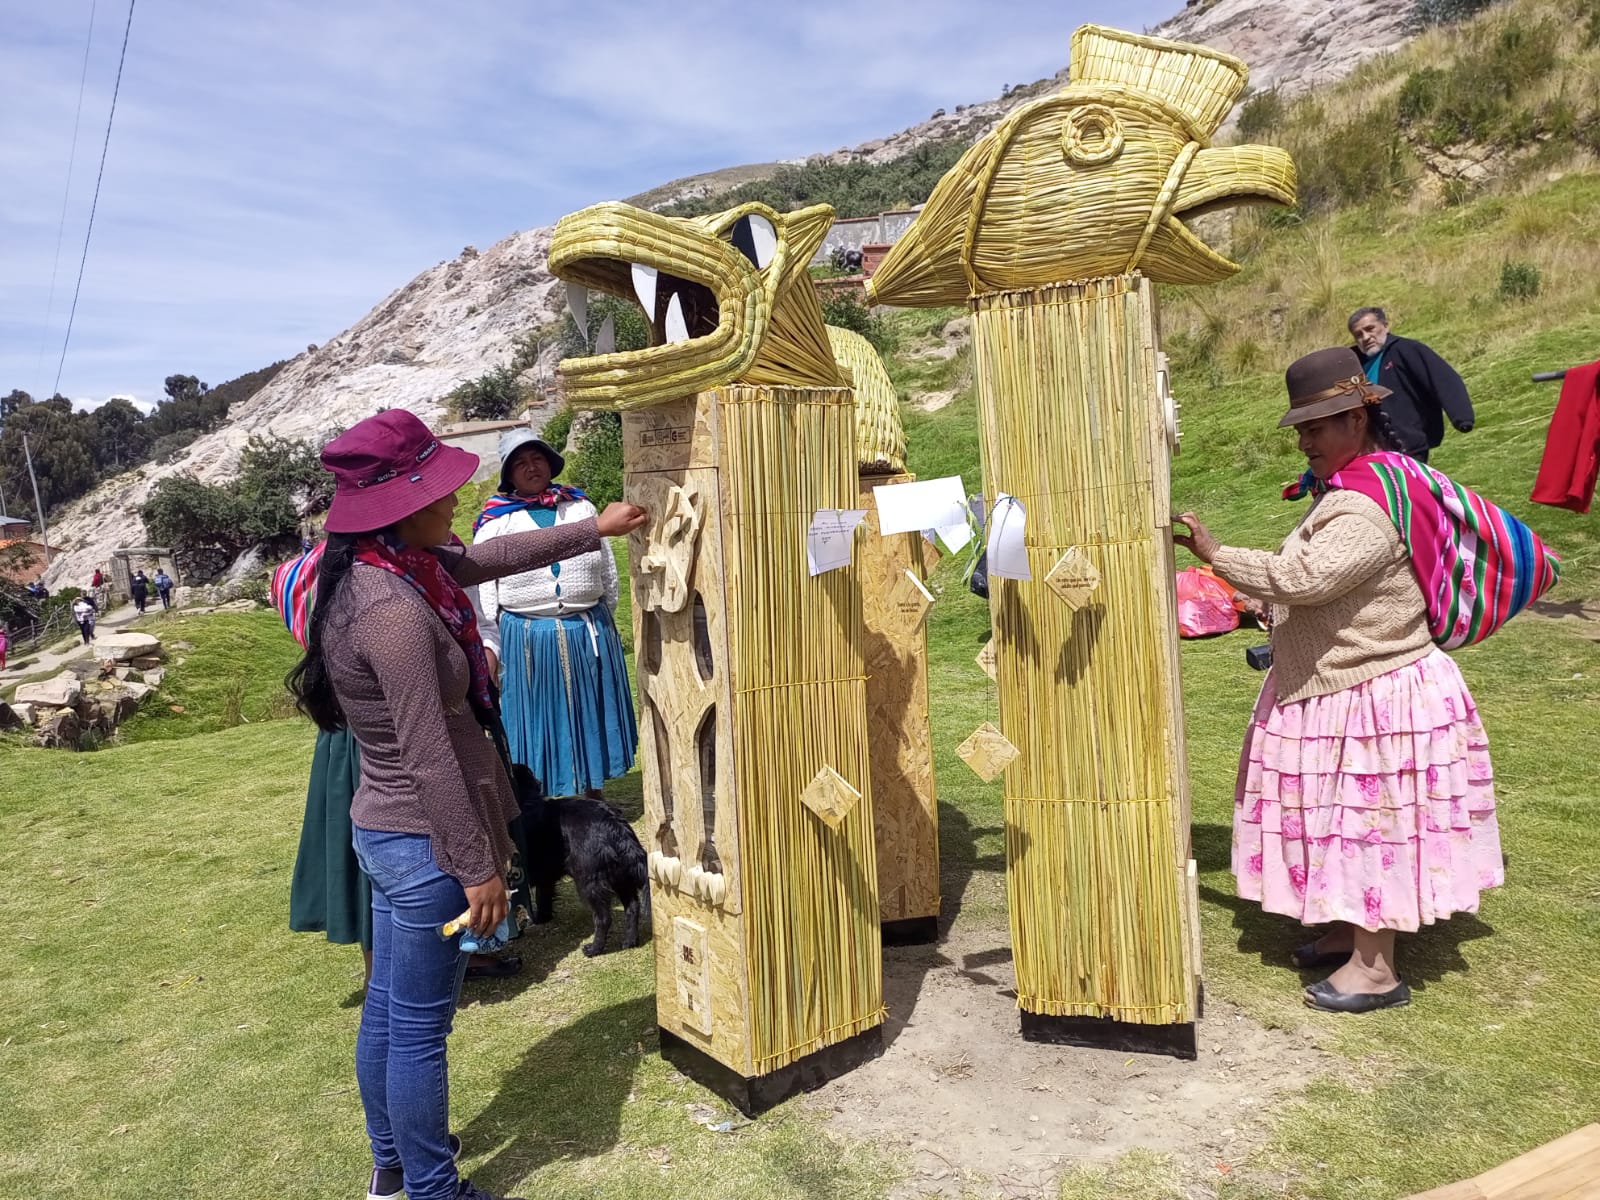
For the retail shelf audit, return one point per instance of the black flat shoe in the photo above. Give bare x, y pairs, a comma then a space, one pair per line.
1309, 958
1323, 995
500, 968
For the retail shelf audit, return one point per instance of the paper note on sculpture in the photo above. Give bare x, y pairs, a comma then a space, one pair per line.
926, 504
1073, 578
955, 536
1008, 553
910, 601
986, 660
831, 536
830, 796
987, 752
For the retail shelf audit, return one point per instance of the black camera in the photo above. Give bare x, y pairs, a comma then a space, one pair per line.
1259, 657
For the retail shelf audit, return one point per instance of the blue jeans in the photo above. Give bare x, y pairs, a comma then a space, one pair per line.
411, 1000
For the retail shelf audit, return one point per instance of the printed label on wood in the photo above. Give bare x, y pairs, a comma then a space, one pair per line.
987, 752
830, 796
910, 601
1074, 578
693, 973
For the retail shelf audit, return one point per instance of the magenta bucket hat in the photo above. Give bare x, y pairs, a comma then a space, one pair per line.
386, 468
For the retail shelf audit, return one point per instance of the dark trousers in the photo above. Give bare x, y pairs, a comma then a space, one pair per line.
139, 599
166, 597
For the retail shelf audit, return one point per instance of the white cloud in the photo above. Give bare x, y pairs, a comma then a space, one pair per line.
276, 169
82, 404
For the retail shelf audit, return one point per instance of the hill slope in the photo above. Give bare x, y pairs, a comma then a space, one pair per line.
458, 319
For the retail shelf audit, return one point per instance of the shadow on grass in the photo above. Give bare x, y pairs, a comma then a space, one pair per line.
1424, 957
563, 1098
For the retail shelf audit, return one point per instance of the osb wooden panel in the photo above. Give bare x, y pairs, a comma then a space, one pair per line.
904, 800
1102, 919
1565, 1169
724, 971
670, 437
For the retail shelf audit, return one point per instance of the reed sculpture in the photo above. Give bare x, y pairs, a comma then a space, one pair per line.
738, 425
1052, 229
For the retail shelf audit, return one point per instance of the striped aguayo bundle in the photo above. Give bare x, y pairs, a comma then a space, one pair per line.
294, 591
1478, 565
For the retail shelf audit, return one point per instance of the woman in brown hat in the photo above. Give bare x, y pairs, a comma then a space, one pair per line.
1365, 799
394, 654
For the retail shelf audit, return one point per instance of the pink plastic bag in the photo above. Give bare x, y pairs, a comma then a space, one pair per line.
1205, 604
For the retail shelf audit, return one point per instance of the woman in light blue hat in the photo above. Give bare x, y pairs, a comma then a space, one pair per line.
568, 709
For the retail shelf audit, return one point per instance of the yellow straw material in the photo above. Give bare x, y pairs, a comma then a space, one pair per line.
1090, 181
880, 440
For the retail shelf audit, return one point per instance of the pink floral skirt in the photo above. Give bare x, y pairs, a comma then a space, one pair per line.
1373, 805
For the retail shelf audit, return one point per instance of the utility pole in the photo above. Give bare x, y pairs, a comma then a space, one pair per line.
44, 530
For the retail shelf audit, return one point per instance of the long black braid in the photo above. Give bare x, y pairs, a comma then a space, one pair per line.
1380, 427
309, 681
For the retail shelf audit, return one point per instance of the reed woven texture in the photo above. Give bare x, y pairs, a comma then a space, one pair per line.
769, 321
1096, 803
1090, 181
799, 703
880, 439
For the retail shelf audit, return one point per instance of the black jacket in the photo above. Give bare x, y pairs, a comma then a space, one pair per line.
1426, 390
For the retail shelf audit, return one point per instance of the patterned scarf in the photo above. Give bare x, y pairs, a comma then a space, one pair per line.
1478, 566
423, 571
503, 504
294, 591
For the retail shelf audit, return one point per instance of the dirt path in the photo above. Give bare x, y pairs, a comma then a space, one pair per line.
970, 1105
50, 661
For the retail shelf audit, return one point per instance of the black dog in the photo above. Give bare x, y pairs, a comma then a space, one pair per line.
589, 840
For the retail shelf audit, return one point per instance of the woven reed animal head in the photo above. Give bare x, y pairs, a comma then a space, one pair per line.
1091, 181
727, 298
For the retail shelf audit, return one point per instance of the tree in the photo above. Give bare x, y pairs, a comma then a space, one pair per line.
16, 399
280, 481
63, 457
183, 512
118, 437
493, 396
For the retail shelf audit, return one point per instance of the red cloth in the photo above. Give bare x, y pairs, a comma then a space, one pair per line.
1572, 449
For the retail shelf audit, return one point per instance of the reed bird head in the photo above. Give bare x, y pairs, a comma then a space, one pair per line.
727, 298
1094, 180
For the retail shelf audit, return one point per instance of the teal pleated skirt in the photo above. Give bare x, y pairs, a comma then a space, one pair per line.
329, 893
566, 701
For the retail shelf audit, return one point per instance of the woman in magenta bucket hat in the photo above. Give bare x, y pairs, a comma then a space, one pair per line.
394, 654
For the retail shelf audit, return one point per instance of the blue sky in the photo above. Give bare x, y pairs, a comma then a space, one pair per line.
276, 168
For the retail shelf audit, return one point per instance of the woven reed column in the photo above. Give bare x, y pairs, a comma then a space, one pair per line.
1103, 918
755, 741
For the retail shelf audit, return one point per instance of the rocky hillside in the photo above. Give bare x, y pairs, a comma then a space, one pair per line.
459, 319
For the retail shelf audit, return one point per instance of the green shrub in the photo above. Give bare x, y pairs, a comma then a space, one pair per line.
1519, 280
627, 322
1363, 159
493, 396
845, 311
557, 428
1444, 12
1419, 94
596, 464
1261, 115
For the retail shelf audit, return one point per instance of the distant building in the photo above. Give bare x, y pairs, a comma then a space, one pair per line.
22, 558
857, 233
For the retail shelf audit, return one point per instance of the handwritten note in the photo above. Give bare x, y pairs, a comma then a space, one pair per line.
1008, 553
926, 504
830, 538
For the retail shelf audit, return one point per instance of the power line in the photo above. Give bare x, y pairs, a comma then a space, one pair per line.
106, 145
55, 266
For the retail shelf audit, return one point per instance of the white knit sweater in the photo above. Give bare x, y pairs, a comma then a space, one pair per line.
585, 581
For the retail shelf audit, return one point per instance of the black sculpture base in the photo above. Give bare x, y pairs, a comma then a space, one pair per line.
911, 931
753, 1095
1105, 1033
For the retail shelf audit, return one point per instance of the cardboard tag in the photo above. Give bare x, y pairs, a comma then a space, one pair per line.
1073, 578
986, 660
987, 752
910, 601
830, 796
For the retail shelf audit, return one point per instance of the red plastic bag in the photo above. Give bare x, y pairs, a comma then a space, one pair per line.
1205, 604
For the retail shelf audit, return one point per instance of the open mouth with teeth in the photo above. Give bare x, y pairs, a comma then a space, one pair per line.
706, 286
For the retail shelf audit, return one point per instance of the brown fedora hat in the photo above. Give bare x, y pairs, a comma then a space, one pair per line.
1325, 382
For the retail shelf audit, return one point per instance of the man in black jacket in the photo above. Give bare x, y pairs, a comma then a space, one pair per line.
1425, 388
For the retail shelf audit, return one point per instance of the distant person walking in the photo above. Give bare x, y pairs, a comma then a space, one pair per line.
1424, 389
164, 587
139, 589
2, 647
83, 613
